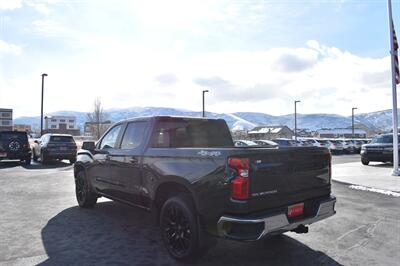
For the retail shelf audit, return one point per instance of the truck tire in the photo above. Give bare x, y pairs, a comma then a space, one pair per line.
364, 161
35, 158
27, 161
43, 158
179, 227
85, 197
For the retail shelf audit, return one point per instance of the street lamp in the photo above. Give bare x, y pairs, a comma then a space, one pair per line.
295, 119
204, 113
41, 111
352, 121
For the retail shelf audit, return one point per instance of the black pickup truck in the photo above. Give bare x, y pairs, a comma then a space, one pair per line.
188, 173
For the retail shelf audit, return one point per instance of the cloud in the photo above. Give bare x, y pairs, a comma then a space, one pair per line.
380, 79
8, 48
166, 79
52, 28
10, 4
40, 7
213, 82
225, 91
293, 63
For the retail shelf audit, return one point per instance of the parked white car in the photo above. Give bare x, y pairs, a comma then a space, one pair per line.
244, 143
312, 142
266, 143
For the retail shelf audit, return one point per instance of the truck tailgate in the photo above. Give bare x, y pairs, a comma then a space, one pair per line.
286, 176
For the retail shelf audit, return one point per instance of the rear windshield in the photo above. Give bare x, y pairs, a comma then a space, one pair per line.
191, 133
383, 139
5, 136
62, 139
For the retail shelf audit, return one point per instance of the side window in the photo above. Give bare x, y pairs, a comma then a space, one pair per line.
134, 135
110, 140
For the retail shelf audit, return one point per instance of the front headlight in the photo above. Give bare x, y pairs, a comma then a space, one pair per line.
363, 148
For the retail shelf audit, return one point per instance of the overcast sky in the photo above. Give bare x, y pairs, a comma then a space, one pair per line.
254, 56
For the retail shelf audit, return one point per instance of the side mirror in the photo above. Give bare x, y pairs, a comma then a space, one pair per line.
88, 145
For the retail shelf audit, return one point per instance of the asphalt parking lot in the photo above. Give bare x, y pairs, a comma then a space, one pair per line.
40, 223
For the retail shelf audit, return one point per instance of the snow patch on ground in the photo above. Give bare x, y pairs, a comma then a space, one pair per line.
376, 190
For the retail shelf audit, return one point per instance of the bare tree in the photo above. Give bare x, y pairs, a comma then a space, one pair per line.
97, 117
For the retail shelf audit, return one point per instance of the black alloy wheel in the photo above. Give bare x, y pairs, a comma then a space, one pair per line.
179, 228
85, 197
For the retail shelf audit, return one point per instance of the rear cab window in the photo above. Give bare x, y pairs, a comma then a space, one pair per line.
195, 133
62, 139
7, 136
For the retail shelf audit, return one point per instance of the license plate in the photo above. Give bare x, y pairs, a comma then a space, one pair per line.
3, 154
295, 210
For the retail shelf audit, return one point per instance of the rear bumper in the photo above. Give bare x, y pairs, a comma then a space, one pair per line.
255, 229
60, 155
17, 156
377, 157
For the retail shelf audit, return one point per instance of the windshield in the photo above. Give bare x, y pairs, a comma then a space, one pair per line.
13, 135
383, 139
62, 139
249, 143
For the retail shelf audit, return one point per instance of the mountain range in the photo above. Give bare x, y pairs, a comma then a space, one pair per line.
375, 121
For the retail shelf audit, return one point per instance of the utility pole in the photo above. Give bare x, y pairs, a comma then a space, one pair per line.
295, 119
41, 110
204, 112
352, 121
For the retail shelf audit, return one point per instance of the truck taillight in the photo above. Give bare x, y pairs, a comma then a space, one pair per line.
240, 185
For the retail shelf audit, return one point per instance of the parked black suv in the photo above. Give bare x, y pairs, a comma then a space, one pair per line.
55, 146
15, 146
380, 149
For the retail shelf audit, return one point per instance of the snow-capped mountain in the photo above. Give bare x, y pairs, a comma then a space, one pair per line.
378, 121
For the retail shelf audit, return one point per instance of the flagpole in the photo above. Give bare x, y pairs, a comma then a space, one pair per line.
395, 171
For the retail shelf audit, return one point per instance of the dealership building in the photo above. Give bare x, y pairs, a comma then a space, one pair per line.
359, 133
61, 125
6, 119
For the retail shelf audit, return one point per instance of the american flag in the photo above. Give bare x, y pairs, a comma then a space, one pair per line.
396, 56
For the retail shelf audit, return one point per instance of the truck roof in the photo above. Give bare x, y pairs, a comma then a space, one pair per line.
166, 117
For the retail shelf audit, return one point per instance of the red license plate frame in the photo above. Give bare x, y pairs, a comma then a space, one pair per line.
296, 210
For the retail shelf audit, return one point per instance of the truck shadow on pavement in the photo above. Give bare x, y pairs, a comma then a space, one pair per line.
34, 165
115, 234
380, 165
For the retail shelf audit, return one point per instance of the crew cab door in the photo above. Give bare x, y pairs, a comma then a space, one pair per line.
125, 163
100, 172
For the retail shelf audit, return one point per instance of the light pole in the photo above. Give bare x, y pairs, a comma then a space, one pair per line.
295, 119
41, 110
352, 121
204, 113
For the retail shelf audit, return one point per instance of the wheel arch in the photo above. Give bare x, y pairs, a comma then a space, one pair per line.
171, 187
